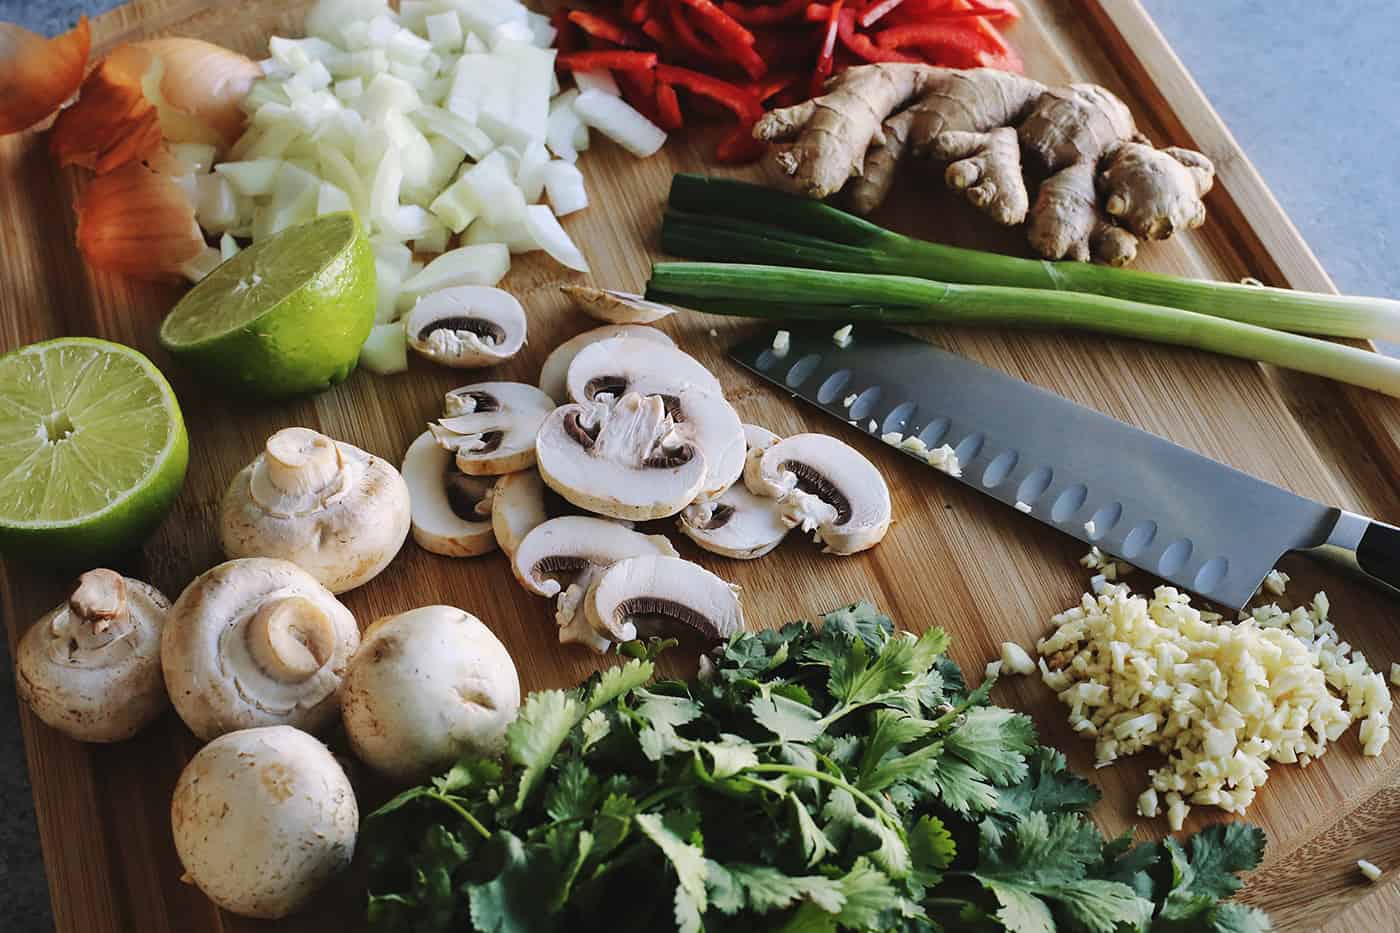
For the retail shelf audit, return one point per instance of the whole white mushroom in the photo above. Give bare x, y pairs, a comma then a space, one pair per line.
262, 819
91, 667
331, 508
426, 687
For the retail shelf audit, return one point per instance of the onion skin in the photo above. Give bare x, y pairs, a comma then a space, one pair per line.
37, 75
197, 88
138, 222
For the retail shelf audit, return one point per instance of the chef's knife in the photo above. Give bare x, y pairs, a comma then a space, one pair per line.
1199, 524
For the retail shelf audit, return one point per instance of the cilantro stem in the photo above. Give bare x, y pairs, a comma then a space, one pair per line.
842, 783
462, 812
665, 793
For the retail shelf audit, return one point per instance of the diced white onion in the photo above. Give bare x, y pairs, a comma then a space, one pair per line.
386, 349
563, 184
617, 120
545, 230
600, 81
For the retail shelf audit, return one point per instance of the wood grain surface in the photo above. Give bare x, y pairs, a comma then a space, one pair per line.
954, 559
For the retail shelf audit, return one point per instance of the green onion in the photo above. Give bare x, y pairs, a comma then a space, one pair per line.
723, 220
780, 292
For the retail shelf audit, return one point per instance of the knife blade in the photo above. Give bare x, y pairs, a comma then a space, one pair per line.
1197, 523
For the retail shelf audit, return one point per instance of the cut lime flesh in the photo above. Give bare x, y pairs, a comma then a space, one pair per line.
93, 449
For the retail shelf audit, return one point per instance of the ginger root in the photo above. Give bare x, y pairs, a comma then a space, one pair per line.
1104, 186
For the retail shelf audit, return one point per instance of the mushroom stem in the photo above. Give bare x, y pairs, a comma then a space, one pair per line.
99, 601
291, 638
301, 461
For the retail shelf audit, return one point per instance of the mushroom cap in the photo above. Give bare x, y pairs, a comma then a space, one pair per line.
825, 486
623, 459
668, 589
491, 426
467, 326
90, 668
256, 642
337, 511
517, 508
262, 819
581, 547
738, 524
605, 304
620, 365
555, 370
452, 512
429, 685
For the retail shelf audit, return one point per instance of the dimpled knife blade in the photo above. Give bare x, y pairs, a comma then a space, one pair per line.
1197, 523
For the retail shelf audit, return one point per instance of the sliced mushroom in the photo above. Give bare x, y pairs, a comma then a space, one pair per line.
337, 511
491, 426
659, 591
738, 523
429, 686
623, 459
91, 667
615, 307
579, 547
629, 364
521, 502
256, 642
825, 486
467, 326
262, 819
556, 365
451, 510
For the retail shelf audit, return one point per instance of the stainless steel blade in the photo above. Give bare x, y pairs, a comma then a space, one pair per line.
1204, 526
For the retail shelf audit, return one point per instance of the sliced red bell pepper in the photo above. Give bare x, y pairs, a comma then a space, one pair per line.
639, 90
770, 87
731, 96
687, 41
609, 59
668, 107
719, 25
636, 11
863, 47
738, 146
764, 14
608, 29
817, 13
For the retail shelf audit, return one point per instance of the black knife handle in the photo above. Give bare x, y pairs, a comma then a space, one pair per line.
1378, 553
1369, 548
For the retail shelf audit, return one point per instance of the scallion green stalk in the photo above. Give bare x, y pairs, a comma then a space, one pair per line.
732, 221
784, 293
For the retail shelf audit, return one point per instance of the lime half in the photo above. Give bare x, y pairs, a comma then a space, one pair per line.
286, 316
92, 450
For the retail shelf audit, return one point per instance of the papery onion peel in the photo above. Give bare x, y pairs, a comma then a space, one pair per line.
178, 89
37, 75
138, 222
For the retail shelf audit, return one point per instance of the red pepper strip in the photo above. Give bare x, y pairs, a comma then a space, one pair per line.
873, 12
657, 31
565, 34
639, 90
687, 41
607, 59
739, 146
817, 13
826, 57
722, 27
863, 47
636, 11
762, 90
668, 107
765, 14
957, 36
731, 96
607, 29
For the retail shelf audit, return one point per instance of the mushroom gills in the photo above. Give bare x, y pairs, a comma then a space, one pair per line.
623, 460
491, 426
555, 371
662, 592
467, 326
826, 487
452, 512
625, 364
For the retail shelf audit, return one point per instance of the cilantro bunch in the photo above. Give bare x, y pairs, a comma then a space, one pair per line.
813, 780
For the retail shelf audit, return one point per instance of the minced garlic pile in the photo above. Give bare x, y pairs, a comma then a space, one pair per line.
1220, 700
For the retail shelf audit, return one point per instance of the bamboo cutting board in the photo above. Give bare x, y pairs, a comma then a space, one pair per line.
954, 559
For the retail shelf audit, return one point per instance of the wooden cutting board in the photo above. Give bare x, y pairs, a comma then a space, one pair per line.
953, 558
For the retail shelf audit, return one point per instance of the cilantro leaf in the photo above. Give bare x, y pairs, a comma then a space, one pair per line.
728, 756
762, 889
690, 866
889, 730
510, 902
786, 718
1049, 785
546, 718
574, 792
994, 741
931, 848
815, 845
858, 620
1208, 875
617, 681
661, 715
960, 786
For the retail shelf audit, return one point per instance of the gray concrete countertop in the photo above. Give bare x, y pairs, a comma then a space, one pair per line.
1311, 90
